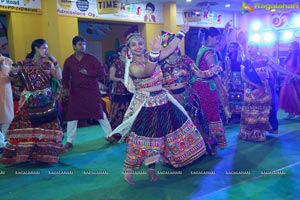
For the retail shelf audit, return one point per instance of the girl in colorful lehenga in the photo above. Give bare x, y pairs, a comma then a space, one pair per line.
233, 80
259, 111
289, 99
211, 92
178, 72
156, 126
257, 98
33, 137
121, 97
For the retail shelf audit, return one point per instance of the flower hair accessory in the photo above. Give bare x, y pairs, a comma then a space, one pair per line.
166, 38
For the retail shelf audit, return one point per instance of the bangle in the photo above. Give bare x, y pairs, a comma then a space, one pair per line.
180, 35
154, 54
153, 59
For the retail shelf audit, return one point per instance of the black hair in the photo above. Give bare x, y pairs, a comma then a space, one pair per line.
151, 6
211, 31
121, 47
251, 73
36, 43
235, 52
77, 39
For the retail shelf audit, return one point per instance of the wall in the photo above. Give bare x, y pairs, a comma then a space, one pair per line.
23, 28
58, 30
67, 29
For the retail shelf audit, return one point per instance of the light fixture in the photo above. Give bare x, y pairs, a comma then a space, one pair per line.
188, 0
227, 5
256, 25
287, 35
255, 37
269, 37
296, 21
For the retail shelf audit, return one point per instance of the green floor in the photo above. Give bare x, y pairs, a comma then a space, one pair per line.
269, 170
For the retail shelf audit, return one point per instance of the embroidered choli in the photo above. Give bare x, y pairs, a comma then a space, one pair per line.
170, 69
155, 80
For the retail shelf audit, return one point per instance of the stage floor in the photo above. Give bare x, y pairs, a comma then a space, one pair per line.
93, 170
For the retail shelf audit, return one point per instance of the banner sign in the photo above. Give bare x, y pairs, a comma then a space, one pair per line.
31, 6
107, 7
111, 9
203, 17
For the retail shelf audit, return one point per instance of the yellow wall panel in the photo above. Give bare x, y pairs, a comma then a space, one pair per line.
67, 29
23, 28
150, 31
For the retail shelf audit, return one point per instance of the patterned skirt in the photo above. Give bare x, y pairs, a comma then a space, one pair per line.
213, 130
235, 92
32, 143
255, 115
290, 96
161, 132
119, 105
189, 99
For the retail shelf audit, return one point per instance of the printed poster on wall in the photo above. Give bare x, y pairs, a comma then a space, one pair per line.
118, 10
202, 17
31, 6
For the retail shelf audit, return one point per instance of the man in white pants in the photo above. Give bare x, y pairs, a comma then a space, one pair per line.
72, 129
80, 80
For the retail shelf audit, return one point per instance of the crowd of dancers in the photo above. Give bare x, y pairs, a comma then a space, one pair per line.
166, 107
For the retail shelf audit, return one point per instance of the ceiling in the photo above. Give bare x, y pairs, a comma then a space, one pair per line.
214, 4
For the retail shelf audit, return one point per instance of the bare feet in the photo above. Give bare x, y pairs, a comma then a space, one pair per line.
152, 175
128, 178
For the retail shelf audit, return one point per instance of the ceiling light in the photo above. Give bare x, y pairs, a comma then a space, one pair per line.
227, 5
256, 25
287, 35
255, 37
188, 0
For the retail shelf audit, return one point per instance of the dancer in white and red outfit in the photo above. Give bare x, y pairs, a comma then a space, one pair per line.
156, 126
6, 98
